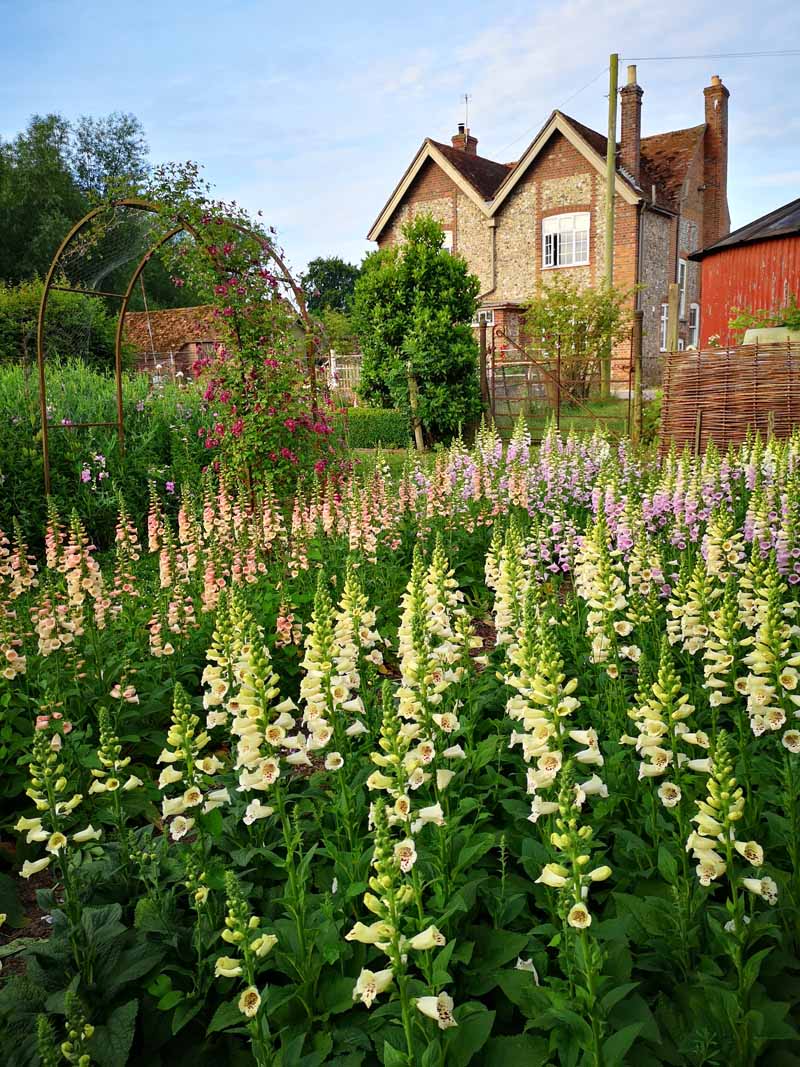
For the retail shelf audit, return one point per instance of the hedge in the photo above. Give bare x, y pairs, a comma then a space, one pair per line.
377, 427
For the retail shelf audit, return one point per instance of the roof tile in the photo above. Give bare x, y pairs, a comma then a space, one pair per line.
483, 174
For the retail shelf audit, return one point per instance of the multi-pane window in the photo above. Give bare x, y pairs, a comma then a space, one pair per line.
662, 344
694, 325
565, 240
447, 241
682, 287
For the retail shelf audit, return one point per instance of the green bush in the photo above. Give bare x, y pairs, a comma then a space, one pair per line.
75, 326
413, 307
651, 419
161, 443
376, 427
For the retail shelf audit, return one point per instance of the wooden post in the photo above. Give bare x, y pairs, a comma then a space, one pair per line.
482, 365
413, 400
611, 176
636, 358
673, 310
698, 431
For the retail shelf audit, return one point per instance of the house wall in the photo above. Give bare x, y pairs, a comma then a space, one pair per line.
473, 239
431, 193
657, 270
690, 233
560, 180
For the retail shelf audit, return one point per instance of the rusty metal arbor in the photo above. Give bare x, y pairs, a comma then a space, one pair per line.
75, 269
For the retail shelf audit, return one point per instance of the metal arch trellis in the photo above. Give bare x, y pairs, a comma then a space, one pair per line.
136, 204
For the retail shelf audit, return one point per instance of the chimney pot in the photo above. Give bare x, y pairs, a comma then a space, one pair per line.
632, 74
464, 141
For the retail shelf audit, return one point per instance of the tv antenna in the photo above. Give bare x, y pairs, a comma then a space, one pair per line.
466, 111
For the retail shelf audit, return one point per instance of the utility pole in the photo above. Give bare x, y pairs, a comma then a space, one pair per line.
611, 174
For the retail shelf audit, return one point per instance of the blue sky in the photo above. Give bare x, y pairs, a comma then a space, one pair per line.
312, 111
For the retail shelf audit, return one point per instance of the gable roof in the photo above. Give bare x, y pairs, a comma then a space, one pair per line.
460, 171
590, 144
782, 222
483, 174
665, 160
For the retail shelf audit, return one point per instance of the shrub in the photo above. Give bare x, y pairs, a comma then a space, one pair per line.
75, 326
413, 307
377, 427
743, 319
577, 326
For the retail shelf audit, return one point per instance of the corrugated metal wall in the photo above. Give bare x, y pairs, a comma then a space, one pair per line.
761, 275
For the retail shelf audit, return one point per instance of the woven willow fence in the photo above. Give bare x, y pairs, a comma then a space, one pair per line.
718, 394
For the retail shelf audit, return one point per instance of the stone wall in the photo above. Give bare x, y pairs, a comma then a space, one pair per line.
473, 239
656, 273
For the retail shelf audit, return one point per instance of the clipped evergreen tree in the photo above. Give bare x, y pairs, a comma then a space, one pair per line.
412, 310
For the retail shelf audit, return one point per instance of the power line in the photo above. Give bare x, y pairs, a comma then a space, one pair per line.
663, 59
718, 55
563, 105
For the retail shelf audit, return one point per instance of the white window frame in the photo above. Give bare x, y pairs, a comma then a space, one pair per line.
447, 241
557, 227
663, 327
484, 315
694, 325
683, 271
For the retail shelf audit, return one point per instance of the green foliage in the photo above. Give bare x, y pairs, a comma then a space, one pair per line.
161, 444
329, 283
47, 174
377, 428
651, 418
76, 327
39, 197
265, 425
743, 319
103, 151
51, 175
576, 324
339, 330
413, 307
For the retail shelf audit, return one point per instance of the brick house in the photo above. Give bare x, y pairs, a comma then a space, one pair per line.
514, 223
172, 339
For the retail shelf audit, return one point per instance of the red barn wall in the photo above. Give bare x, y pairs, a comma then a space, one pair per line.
760, 275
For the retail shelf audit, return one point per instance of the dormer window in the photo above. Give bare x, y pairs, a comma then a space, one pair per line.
565, 240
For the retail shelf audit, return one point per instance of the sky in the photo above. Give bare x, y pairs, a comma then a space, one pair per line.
311, 112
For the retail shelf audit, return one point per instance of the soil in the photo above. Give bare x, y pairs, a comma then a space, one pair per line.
35, 923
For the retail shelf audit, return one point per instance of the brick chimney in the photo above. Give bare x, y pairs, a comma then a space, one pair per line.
716, 219
464, 141
631, 126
